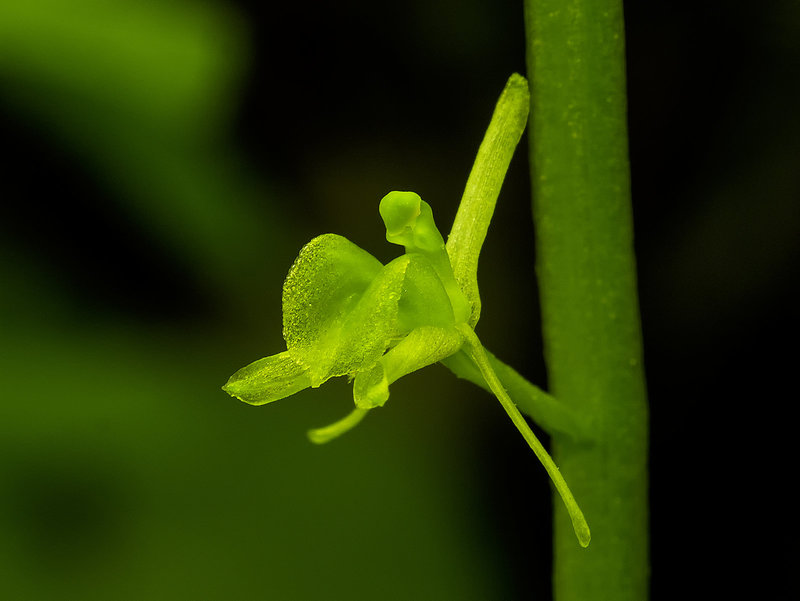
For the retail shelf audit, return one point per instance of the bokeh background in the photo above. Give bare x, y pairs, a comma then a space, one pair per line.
162, 164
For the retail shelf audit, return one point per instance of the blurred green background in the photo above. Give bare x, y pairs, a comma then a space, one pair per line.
164, 161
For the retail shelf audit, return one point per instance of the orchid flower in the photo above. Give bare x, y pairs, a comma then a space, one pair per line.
346, 314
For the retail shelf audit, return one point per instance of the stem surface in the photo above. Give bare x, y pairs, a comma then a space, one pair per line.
587, 280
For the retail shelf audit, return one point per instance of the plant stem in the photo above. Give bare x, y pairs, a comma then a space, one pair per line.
587, 281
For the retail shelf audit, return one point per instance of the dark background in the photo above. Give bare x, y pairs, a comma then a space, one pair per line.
163, 162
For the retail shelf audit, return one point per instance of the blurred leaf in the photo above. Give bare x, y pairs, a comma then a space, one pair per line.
144, 92
174, 64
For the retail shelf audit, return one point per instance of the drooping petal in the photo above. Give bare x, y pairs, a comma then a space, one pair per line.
478, 355
336, 429
423, 346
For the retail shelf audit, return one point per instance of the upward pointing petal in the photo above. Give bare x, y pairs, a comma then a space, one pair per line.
483, 187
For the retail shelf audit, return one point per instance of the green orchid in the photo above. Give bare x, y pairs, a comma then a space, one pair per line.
346, 314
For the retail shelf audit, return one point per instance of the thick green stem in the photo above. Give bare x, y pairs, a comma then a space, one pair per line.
587, 279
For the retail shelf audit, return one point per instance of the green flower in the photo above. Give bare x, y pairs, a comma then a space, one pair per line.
345, 314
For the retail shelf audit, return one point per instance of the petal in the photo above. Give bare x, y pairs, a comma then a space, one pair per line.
268, 379
423, 346
336, 429
324, 285
372, 326
424, 301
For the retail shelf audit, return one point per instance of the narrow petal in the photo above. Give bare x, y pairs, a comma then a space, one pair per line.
336, 429
483, 187
475, 349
